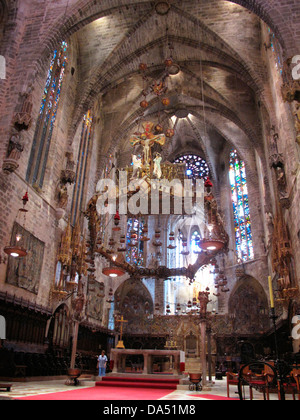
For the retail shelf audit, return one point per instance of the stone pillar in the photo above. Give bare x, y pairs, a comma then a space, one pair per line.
115, 358
146, 363
203, 298
208, 332
203, 351
74, 346
176, 369
123, 363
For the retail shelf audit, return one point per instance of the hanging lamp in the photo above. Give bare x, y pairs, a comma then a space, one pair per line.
17, 250
113, 271
117, 219
212, 243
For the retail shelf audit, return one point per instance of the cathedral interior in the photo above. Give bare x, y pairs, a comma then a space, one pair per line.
103, 101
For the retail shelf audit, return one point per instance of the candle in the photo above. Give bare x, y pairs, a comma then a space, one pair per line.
271, 293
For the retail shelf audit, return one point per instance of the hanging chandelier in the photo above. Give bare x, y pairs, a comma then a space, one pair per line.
213, 241
145, 169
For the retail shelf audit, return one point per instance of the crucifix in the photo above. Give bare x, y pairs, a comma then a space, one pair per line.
148, 139
120, 343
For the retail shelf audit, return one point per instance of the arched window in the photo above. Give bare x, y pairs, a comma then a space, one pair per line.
135, 253
196, 166
195, 238
276, 49
179, 291
82, 166
58, 273
60, 327
111, 318
47, 116
179, 259
241, 211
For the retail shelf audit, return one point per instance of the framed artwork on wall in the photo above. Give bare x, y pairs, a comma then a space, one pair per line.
26, 272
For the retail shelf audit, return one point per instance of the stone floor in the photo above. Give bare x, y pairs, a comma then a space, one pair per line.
214, 391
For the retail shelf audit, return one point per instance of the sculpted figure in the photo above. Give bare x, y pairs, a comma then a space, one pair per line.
137, 165
15, 147
147, 140
157, 166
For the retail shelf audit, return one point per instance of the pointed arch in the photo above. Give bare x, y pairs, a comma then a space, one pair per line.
82, 167
47, 117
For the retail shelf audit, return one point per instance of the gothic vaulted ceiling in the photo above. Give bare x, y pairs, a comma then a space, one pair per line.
217, 46
214, 99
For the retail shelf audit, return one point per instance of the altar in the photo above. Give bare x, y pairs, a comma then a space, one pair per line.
177, 359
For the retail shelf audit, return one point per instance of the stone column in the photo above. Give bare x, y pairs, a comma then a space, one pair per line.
123, 363
176, 370
208, 332
203, 298
74, 346
146, 364
203, 350
115, 358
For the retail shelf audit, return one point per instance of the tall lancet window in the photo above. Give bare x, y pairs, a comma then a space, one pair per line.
241, 211
82, 167
276, 49
135, 253
46, 119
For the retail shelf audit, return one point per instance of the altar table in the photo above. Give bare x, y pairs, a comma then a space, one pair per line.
118, 356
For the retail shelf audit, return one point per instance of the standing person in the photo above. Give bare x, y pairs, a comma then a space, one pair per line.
102, 362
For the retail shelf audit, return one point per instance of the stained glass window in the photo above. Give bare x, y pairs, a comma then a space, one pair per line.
109, 167
135, 253
195, 249
179, 261
196, 167
241, 211
82, 165
275, 46
47, 116
181, 290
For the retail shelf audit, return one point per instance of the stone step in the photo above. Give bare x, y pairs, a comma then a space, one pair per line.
129, 382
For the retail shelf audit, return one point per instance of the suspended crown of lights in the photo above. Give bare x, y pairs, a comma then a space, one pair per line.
124, 254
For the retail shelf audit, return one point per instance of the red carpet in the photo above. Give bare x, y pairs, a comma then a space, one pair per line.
100, 393
214, 397
150, 383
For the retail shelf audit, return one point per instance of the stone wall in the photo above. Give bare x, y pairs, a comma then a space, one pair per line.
41, 219
100, 82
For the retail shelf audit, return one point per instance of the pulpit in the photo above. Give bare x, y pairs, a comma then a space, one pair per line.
118, 356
